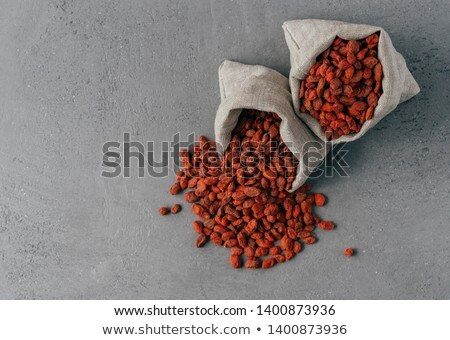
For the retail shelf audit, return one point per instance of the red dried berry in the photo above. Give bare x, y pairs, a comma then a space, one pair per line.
235, 261
164, 210
268, 263
326, 225
348, 252
175, 188
175, 209
198, 227
319, 199
201, 240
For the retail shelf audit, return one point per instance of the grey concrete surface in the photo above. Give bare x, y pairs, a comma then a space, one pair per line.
75, 74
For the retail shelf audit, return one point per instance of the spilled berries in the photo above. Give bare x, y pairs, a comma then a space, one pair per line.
242, 199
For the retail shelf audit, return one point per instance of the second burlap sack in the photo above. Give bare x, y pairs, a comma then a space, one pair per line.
308, 38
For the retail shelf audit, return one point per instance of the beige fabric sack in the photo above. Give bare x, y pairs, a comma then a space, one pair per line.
260, 88
306, 39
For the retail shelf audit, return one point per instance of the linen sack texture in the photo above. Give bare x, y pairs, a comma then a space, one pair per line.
261, 88
307, 39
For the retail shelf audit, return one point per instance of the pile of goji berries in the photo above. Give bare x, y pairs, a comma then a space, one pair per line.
242, 198
343, 86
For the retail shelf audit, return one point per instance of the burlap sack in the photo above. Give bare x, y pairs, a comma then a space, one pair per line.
260, 88
306, 39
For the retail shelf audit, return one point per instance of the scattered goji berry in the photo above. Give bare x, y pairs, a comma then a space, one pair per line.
348, 252
164, 210
175, 209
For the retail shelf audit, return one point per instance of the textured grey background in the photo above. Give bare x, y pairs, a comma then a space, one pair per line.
75, 74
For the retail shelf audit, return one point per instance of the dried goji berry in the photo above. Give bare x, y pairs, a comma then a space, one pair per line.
175, 209
348, 252
164, 210
235, 261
